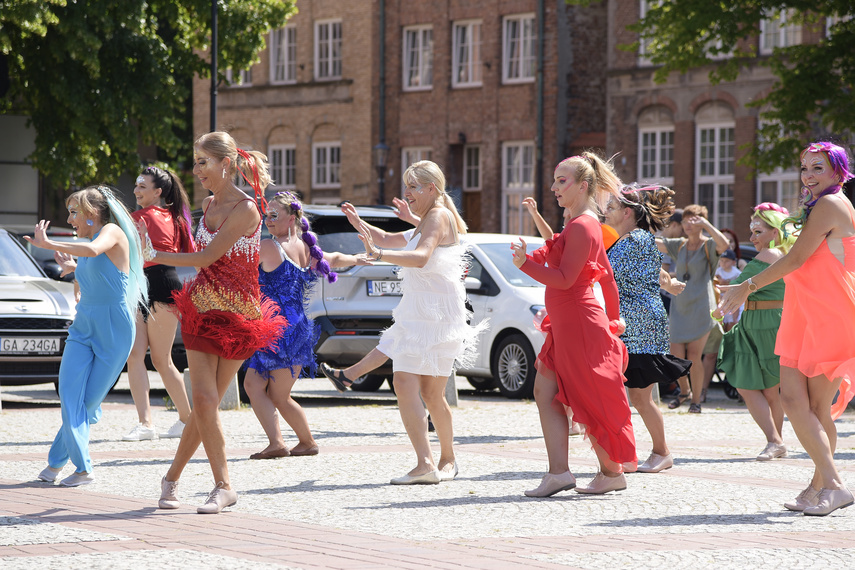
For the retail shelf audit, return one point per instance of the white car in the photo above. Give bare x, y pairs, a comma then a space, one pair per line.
510, 299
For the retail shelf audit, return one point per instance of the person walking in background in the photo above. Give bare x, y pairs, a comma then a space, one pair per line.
166, 213
581, 364
814, 341
695, 259
109, 274
291, 263
635, 214
747, 353
224, 318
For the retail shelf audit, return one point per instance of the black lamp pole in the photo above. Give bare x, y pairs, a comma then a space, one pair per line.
214, 51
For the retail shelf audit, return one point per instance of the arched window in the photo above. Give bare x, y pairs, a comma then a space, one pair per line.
656, 146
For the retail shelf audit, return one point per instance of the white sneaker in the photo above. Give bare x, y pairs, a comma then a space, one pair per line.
140, 432
175, 431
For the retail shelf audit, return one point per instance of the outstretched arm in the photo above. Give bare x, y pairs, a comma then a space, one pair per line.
543, 228
572, 260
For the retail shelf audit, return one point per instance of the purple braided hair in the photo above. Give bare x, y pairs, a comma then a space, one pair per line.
322, 266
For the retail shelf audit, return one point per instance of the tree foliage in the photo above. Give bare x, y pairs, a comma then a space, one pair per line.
812, 95
98, 77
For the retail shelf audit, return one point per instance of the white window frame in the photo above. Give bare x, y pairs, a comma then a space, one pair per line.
328, 52
831, 21
466, 54
642, 60
283, 171
244, 78
779, 33
283, 55
787, 188
326, 173
517, 183
472, 167
662, 159
412, 154
524, 60
417, 41
722, 178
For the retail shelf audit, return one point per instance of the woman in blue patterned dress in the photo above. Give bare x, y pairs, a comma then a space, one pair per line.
291, 262
636, 262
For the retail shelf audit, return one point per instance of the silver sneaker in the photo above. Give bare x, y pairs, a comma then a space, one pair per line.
140, 433
175, 431
168, 500
219, 499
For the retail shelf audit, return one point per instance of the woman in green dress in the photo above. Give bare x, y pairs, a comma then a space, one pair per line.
747, 353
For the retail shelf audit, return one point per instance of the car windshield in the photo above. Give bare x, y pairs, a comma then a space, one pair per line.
500, 255
336, 234
41, 254
14, 261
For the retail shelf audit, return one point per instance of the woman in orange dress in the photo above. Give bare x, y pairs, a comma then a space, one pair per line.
818, 322
582, 362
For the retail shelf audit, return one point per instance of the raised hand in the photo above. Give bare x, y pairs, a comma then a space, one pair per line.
40, 238
66, 262
519, 250
349, 210
402, 210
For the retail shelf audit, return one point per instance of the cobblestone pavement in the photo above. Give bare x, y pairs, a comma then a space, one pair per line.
717, 507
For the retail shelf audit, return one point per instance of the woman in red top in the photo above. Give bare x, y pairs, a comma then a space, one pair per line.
166, 214
580, 368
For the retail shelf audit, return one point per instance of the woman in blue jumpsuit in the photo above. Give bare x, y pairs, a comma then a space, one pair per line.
111, 283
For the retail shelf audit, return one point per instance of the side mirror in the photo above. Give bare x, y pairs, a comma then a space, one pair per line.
472, 284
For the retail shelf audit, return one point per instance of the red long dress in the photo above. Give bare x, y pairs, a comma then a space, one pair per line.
587, 358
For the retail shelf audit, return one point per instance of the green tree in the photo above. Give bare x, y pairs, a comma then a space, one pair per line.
812, 95
98, 77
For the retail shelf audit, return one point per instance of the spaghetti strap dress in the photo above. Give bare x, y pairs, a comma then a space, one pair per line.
429, 334
222, 310
587, 358
289, 286
747, 353
818, 320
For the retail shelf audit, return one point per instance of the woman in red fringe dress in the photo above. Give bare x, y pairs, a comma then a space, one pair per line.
580, 368
224, 318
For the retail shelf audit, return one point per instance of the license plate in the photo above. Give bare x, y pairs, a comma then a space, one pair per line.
25, 345
382, 288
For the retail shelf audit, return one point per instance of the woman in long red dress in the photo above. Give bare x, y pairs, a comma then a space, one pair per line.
582, 361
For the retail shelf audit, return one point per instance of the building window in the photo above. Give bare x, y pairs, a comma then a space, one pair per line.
283, 55
326, 165
832, 21
643, 42
517, 184
418, 58
466, 54
472, 168
410, 155
518, 49
328, 50
715, 164
656, 156
781, 187
283, 166
778, 32
241, 79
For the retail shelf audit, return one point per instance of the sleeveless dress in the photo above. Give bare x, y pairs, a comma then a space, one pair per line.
99, 342
586, 356
690, 310
747, 353
429, 333
636, 262
288, 286
222, 311
818, 321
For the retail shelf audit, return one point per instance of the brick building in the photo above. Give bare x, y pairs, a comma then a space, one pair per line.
455, 82
687, 133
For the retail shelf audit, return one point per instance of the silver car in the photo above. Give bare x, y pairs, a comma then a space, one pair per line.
35, 313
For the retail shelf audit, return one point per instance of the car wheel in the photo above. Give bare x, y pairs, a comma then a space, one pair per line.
513, 367
481, 384
368, 383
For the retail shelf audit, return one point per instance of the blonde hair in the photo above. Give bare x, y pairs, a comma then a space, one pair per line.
598, 173
428, 172
220, 145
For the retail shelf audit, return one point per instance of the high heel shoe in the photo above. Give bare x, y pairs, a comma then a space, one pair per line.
337, 377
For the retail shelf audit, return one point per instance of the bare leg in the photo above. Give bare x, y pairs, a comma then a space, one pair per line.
758, 406
137, 373
553, 421
369, 362
773, 397
608, 467
433, 393
264, 408
415, 420
210, 376
694, 352
651, 415
279, 390
802, 399
710, 360
161, 326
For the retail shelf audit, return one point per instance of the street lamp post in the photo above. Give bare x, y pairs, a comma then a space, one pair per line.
381, 153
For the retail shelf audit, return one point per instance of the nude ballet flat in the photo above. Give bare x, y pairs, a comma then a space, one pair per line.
656, 463
551, 484
429, 478
829, 500
601, 485
806, 498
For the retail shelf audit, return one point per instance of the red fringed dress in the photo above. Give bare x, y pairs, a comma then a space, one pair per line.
222, 310
587, 357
